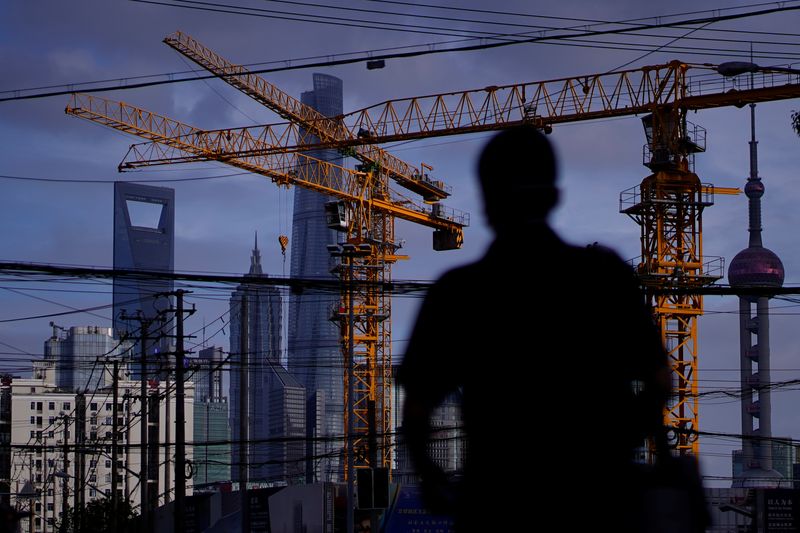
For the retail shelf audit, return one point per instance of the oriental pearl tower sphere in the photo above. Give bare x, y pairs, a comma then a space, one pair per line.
755, 266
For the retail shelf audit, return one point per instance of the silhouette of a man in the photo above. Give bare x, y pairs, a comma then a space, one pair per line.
560, 367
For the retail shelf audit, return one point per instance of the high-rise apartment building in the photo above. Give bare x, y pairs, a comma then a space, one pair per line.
75, 353
144, 239
61, 444
314, 352
447, 446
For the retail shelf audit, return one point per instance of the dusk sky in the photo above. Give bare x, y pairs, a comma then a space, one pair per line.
54, 43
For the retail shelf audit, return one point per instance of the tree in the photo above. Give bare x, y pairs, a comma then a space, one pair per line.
98, 517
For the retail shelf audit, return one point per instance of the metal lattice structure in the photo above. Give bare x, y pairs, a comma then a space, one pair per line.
370, 209
668, 205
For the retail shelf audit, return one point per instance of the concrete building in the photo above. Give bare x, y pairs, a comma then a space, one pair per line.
75, 351
314, 352
49, 424
211, 423
286, 451
144, 239
261, 334
448, 446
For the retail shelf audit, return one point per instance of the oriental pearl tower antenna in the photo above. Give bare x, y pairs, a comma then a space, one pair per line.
755, 266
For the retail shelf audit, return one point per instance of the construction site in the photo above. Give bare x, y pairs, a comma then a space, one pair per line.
335, 149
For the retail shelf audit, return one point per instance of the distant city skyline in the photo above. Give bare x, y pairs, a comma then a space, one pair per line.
59, 222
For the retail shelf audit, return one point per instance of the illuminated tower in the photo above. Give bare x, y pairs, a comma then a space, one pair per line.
755, 266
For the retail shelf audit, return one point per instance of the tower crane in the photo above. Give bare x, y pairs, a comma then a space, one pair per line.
370, 209
667, 205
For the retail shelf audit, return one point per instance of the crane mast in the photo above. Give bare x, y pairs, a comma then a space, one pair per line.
366, 214
668, 204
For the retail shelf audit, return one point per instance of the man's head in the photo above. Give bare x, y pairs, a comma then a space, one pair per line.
517, 171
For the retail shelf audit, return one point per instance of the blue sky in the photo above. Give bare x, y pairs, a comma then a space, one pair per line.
51, 42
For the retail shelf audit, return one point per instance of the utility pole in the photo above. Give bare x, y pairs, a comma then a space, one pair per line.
79, 461
144, 471
180, 418
244, 399
65, 483
115, 447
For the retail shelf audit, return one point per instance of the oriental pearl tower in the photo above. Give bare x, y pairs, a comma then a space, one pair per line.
755, 266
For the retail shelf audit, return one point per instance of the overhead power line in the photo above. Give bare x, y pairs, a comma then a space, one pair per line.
431, 50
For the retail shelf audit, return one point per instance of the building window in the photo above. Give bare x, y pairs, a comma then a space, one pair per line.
38, 507
109, 407
51, 462
33, 406
33, 420
93, 420
109, 420
93, 478
108, 434
49, 492
93, 406
108, 463
33, 434
51, 420
92, 435
67, 406
33, 390
51, 406
38, 464
49, 506
51, 434
92, 493
39, 406
38, 421
108, 492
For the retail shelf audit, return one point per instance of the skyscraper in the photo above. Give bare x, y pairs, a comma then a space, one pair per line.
314, 353
144, 239
262, 336
75, 352
212, 430
755, 266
